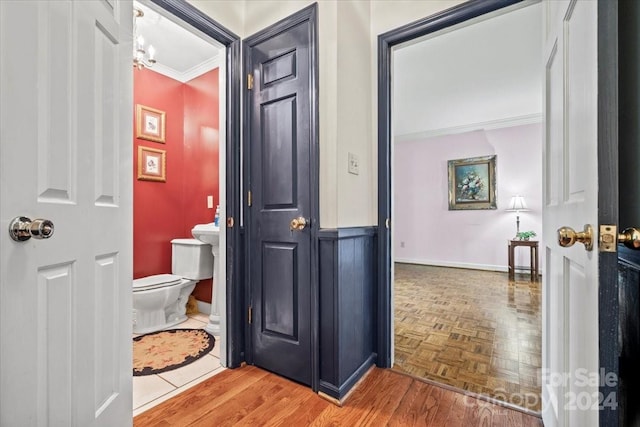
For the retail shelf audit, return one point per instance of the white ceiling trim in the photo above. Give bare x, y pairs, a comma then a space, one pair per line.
189, 74
488, 125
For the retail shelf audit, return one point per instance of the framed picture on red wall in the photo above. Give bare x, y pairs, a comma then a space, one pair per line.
152, 164
150, 123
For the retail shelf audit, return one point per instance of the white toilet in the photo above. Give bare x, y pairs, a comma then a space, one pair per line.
160, 301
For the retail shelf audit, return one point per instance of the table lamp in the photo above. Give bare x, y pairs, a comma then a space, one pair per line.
517, 204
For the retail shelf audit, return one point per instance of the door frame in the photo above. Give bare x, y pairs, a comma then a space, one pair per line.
386, 43
608, 200
234, 297
608, 303
310, 14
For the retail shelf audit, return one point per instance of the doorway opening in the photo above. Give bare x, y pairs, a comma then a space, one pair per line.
456, 317
183, 83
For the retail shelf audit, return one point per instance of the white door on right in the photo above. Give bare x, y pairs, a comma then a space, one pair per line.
570, 284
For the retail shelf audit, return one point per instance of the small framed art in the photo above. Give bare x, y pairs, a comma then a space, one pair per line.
150, 124
152, 164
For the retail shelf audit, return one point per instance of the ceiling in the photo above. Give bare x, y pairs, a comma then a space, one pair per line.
181, 53
484, 75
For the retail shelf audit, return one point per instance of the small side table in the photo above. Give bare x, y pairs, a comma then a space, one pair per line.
533, 252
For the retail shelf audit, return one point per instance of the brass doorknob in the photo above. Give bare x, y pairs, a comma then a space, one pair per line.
630, 237
298, 223
567, 236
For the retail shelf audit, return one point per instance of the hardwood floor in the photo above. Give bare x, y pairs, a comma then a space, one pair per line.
249, 396
473, 330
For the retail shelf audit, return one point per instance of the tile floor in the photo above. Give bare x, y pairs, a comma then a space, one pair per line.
150, 390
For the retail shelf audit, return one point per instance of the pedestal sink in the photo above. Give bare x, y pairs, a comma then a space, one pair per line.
210, 233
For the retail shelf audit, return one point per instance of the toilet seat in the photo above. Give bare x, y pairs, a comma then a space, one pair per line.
156, 281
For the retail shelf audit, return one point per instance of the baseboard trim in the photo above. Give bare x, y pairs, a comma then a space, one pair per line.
333, 400
469, 266
342, 392
453, 264
340, 402
204, 307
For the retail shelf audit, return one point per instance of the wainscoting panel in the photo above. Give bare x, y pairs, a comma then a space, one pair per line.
628, 385
347, 307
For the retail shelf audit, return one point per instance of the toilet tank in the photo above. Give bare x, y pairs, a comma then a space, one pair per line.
191, 259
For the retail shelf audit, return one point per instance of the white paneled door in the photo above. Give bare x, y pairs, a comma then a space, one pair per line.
570, 305
66, 156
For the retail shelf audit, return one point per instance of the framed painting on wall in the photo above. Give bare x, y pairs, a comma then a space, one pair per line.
150, 123
152, 164
472, 183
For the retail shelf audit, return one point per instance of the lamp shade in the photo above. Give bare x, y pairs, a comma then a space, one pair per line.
517, 204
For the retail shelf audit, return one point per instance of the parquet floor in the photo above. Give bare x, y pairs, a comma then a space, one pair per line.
249, 396
473, 330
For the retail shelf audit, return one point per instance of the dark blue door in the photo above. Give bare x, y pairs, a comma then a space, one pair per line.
280, 111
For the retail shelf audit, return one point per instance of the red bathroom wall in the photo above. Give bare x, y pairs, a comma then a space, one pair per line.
157, 206
167, 210
201, 157
201, 148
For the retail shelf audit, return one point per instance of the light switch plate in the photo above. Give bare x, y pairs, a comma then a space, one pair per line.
354, 164
210, 202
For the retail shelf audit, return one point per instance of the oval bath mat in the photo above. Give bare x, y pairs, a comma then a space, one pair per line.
164, 351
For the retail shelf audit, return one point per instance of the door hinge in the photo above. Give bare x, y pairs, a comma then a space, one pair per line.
250, 315
387, 222
608, 238
249, 81
249, 198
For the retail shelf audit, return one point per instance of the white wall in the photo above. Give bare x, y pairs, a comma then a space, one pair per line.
353, 115
228, 13
387, 15
431, 233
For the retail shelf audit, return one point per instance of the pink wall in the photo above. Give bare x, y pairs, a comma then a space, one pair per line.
164, 211
431, 233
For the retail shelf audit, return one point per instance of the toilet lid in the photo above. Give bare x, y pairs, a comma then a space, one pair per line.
157, 281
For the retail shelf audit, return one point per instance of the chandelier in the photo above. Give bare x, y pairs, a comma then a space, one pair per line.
140, 57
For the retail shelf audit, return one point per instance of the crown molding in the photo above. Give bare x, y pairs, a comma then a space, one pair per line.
488, 125
189, 74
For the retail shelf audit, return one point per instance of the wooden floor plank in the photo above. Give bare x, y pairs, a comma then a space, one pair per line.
457, 412
477, 413
485, 417
383, 403
444, 400
240, 408
499, 419
304, 415
280, 406
249, 396
418, 406
367, 387
186, 407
